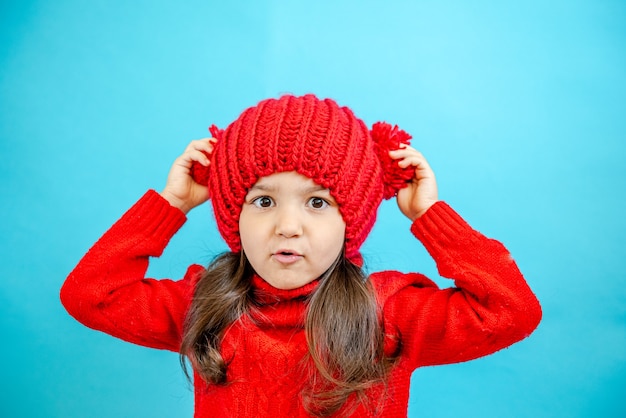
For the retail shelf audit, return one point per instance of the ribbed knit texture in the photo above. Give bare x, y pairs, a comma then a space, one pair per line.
316, 138
489, 308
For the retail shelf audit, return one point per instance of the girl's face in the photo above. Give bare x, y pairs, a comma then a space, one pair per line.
291, 229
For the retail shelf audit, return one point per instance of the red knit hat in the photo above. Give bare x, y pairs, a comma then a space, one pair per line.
315, 138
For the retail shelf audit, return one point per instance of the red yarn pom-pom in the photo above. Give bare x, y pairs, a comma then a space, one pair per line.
388, 138
200, 173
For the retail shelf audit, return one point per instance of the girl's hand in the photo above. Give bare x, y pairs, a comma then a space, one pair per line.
181, 191
421, 193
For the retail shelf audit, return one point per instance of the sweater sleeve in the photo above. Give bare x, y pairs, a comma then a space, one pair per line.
108, 291
489, 308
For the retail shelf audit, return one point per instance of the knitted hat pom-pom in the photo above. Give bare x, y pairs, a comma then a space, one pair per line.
200, 173
387, 138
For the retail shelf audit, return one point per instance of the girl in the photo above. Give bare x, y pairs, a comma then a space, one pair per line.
287, 324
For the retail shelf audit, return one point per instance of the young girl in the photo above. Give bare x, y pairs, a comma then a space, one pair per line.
287, 324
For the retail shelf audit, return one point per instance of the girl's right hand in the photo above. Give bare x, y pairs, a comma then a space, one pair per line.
181, 191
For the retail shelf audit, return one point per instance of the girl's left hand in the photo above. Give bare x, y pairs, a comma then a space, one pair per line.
421, 193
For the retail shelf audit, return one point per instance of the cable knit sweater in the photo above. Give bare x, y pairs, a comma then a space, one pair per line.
490, 307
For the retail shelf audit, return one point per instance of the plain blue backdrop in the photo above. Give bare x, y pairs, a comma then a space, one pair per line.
519, 106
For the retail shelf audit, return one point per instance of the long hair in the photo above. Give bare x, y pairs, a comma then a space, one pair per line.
343, 329
222, 295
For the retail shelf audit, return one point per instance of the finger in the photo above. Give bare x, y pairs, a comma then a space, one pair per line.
205, 144
406, 158
404, 147
190, 156
209, 141
198, 156
403, 152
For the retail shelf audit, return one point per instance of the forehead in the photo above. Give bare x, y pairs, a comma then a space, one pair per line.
287, 181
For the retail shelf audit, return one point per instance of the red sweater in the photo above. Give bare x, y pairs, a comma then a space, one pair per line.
490, 308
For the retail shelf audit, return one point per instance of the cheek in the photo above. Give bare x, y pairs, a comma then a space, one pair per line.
334, 239
248, 233
251, 244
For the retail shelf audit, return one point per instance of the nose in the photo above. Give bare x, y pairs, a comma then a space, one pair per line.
288, 222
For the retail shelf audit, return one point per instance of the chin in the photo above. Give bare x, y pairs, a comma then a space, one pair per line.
288, 283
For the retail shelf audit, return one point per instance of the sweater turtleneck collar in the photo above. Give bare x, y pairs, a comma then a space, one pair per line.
279, 308
267, 294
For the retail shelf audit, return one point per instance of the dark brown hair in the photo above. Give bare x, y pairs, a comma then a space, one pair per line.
343, 330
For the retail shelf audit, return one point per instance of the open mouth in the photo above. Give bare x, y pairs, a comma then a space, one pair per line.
286, 256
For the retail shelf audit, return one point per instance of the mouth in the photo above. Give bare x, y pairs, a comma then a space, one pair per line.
287, 256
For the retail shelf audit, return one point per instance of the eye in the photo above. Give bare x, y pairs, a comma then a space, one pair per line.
263, 202
318, 203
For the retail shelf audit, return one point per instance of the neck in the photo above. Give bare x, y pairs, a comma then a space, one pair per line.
277, 308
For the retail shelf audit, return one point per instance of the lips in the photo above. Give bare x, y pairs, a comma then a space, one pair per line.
287, 256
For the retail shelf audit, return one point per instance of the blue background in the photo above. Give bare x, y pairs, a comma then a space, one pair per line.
519, 106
